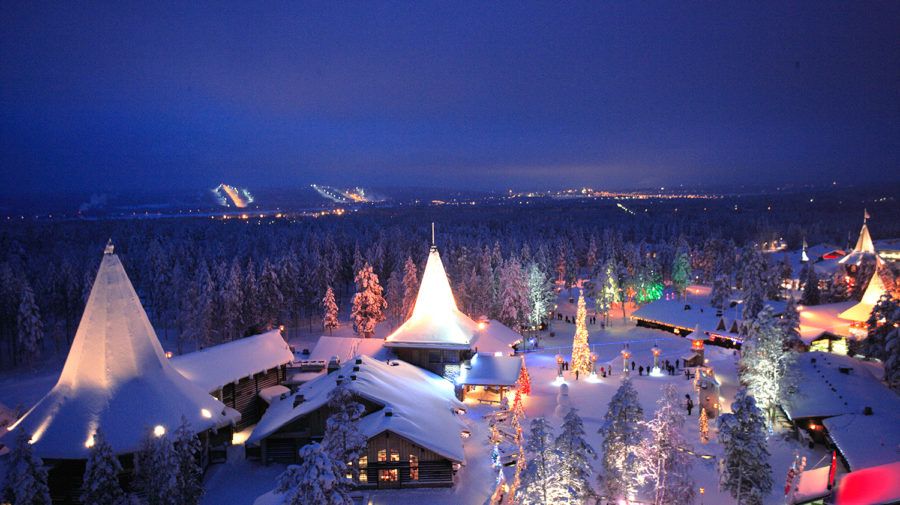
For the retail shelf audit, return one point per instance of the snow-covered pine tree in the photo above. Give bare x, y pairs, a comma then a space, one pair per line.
540, 483
26, 477
318, 479
251, 306
232, 297
681, 272
704, 426
101, 474
883, 338
330, 309
607, 289
721, 292
156, 468
810, 294
540, 294
188, 487
581, 351
744, 471
343, 441
767, 364
410, 287
790, 324
270, 296
29, 325
621, 432
661, 456
575, 454
368, 303
515, 307
394, 299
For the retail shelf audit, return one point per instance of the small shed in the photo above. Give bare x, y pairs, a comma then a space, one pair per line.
491, 372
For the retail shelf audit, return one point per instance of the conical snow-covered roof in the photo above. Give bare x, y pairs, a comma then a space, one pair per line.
116, 377
435, 321
862, 310
864, 250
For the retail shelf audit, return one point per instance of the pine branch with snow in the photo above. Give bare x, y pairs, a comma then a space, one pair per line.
189, 487
515, 306
101, 474
621, 430
29, 326
540, 294
883, 338
744, 471
410, 287
156, 470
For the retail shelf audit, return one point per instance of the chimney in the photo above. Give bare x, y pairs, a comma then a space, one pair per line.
867, 411
388, 413
298, 400
358, 361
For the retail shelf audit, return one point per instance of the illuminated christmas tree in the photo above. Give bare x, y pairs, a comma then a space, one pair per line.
495, 451
581, 353
499, 489
704, 426
523, 384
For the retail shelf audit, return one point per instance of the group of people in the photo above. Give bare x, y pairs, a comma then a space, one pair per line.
591, 319
667, 365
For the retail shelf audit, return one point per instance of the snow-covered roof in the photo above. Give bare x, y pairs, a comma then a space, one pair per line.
863, 251
879, 485
345, 348
117, 378
222, 364
812, 484
493, 336
273, 393
817, 319
825, 391
422, 405
490, 370
435, 321
862, 310
866, 441
674, 313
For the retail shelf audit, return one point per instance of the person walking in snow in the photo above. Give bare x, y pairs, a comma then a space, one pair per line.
689, 403
641, 370
632, 366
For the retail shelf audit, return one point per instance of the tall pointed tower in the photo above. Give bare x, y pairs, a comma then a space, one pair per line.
117, 378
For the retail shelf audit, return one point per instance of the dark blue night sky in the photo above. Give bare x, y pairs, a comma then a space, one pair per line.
482, 95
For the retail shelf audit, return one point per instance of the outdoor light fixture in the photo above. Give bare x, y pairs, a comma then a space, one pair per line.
159, 430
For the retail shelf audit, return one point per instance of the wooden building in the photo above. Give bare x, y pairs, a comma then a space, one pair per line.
236, 372
410, 420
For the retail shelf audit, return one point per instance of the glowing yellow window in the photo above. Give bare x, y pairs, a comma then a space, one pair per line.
363, 464
395, 455
413, 467
382, 455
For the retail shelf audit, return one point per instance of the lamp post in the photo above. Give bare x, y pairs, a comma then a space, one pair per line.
655, 350
625, 355
559, 366
593, 365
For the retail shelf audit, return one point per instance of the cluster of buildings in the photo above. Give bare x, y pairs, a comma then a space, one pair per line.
118, 379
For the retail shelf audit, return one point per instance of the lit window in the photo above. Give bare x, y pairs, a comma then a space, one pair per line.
395, 455
413, 467
363, 464
391, 475
382, 455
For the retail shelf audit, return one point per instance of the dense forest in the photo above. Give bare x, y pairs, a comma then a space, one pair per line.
207, 280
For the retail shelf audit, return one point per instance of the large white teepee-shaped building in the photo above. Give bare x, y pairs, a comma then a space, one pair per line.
435, 321
117, 378
864, 250
862, 310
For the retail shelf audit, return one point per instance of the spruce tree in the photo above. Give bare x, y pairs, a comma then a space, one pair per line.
744, 471
810, 294
156, 468
721, 292
101, 474
29, 325
410, 287
662, 460
681, 272
394, 300
343, 441
330, 308
540, 483
515, 305
540, 294
621, 430
575, 454
189, 487
26, 477
883, 338
368, 303
581, 351
767, 364
318, 479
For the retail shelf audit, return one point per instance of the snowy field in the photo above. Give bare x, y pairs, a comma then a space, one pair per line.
240, 483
